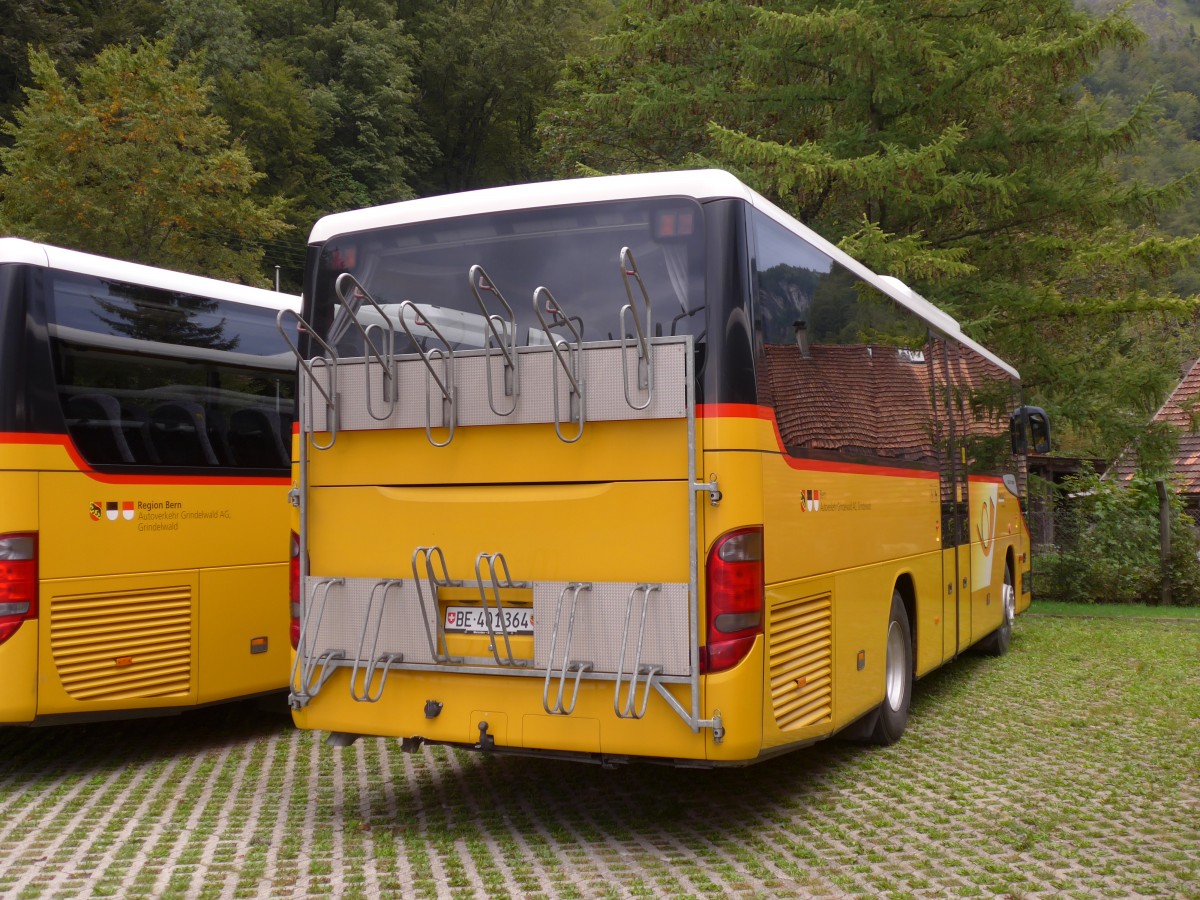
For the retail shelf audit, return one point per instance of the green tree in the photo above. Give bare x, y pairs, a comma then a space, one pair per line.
40, 23
361, 70
941, 141
485, 71
131, 163
216, 30
107, 22
269, 108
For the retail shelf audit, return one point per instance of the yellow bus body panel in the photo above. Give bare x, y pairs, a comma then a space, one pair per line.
18, 670
243, 631
133, 614
156, 525
118, 642
537, 527
512, 707
508, 454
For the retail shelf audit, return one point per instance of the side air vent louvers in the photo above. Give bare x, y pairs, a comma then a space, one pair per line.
123, 646
801, 648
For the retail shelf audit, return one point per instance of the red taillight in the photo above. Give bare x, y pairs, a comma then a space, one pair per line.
18, 582
294, 590
735, 598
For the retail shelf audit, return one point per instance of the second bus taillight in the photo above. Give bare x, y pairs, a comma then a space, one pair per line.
18, 582
735, 598
294, 590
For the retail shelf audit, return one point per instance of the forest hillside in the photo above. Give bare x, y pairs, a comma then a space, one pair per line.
1031, 166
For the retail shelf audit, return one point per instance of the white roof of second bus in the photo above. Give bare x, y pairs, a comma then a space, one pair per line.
699, 184
17, 250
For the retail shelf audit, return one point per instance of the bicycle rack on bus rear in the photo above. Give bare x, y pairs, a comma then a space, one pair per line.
309, 683
307, 385
625, 710
352, 294
645, 371
636, 669
437, 644
496, 583
544, 304
578, 667
503, 330
373, 662
445, 382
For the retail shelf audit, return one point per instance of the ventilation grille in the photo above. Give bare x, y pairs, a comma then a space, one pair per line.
802, 662
123, 646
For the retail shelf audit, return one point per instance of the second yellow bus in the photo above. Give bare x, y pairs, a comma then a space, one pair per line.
145, 419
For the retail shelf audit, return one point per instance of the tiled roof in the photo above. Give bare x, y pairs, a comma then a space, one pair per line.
867, 400
1182, 409
1183, 406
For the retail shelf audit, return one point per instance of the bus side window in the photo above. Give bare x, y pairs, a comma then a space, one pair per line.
136, 425
180, 434
256, 439
95, 425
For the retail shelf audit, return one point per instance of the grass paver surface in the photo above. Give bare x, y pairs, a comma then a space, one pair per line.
1068, 768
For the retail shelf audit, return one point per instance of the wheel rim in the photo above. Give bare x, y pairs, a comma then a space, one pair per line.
1010, 599
896, 662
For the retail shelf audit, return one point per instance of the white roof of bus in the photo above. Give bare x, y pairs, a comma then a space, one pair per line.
17, 250
699, 184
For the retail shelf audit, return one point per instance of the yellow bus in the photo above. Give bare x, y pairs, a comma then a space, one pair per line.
637, 467
145, 425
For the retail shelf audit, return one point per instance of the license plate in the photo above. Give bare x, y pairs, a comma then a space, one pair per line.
475, 619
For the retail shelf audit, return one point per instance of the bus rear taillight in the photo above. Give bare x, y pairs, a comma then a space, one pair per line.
735, 598
18, 582
294, 590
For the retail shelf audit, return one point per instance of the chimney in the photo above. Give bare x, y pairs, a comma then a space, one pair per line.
801, 328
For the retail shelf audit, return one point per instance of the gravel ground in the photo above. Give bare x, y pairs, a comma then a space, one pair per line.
1067, 768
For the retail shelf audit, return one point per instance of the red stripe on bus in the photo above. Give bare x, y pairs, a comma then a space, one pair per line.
62, 440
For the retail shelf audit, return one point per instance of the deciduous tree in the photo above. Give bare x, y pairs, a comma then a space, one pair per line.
485, 71
131, 163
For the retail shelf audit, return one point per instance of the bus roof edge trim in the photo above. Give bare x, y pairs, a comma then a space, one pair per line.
21, 251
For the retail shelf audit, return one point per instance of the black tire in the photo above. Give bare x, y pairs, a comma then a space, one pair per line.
898, 677
997, 643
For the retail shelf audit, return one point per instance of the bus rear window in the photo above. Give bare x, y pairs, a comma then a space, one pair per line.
574, 252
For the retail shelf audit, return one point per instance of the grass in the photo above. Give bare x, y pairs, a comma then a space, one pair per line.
1113, 610
1066, 768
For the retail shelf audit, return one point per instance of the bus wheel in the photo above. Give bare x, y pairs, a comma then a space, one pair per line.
996, 643
898, 677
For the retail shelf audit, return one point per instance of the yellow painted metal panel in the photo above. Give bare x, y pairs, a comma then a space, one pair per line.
512, 706
800, 642
821, 520
571, 734
548, 532
243, 631
506, 454
18, 675
34, 453
111, 529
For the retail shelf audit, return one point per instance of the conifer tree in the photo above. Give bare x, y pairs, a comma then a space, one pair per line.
941, 141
